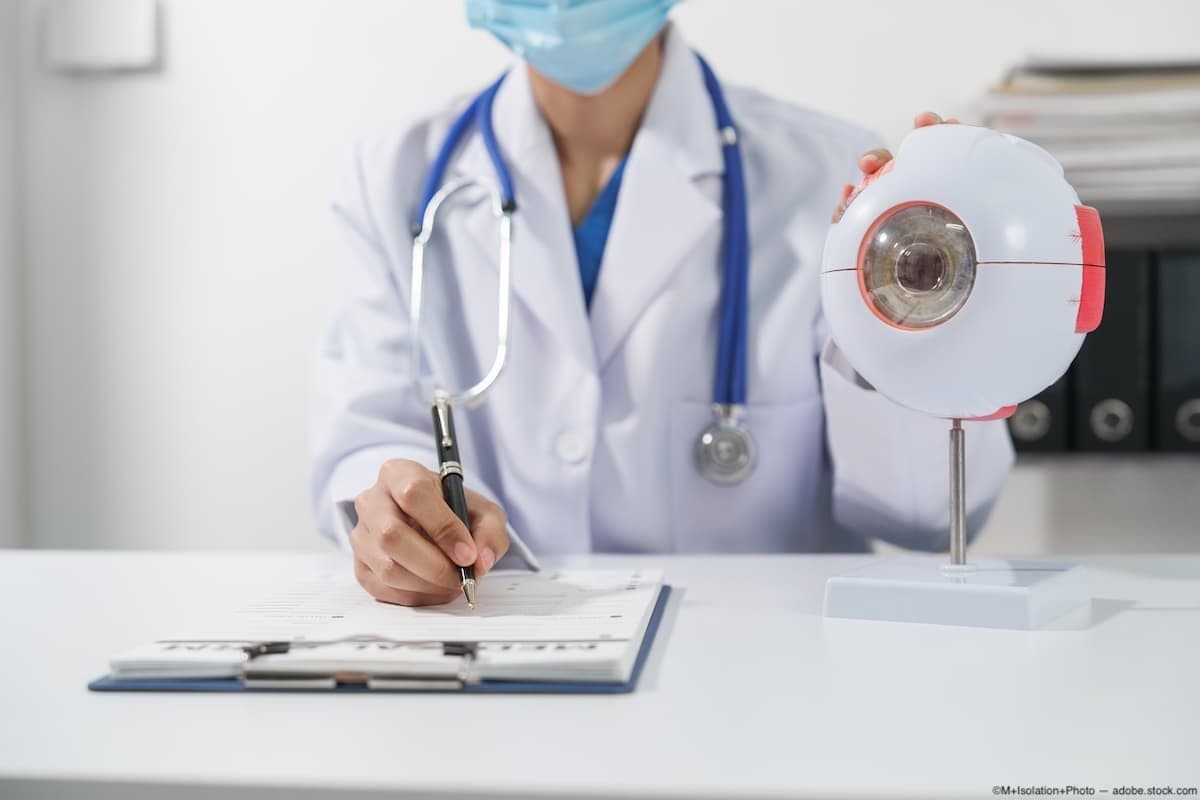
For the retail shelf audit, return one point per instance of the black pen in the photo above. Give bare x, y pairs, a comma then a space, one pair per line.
452, 479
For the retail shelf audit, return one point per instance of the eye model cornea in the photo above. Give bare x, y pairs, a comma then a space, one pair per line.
916, 266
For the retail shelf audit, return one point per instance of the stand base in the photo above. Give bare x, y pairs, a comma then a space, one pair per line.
987, 593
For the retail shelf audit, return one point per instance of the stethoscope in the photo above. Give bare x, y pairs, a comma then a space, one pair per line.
725, 452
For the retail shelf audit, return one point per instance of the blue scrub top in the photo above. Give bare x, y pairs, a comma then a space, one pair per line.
591, 235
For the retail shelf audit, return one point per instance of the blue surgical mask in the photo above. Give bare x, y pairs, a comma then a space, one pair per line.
583, 45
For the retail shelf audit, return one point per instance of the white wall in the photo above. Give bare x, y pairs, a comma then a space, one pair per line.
180, 259
11, 441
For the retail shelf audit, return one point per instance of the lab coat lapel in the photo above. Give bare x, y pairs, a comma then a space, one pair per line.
545, 271
662, 213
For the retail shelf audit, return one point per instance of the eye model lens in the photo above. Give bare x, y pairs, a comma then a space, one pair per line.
917, 266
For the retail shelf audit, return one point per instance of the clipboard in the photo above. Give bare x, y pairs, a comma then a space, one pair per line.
331, 684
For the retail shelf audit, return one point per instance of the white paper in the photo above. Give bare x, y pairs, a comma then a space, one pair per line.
558, 606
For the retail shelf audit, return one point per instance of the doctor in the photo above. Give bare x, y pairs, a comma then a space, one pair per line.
588, 441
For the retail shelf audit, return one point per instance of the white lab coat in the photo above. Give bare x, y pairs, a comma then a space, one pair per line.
587, 438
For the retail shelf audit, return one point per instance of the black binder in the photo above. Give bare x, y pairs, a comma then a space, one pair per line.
1178, 352
1042, 423
1112, 372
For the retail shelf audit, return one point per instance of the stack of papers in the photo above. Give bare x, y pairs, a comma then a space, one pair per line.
581, 626
1126, 132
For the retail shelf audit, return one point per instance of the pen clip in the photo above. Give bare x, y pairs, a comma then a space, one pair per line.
441, 406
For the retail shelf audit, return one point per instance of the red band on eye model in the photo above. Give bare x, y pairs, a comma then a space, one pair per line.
1091, 289
1091, 300
1091, 236
1002, 413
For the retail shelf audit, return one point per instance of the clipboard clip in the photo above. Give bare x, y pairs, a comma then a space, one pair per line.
459, 649
265, 649
467, 651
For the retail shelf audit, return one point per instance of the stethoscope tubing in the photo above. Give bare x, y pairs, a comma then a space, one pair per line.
729, 379
473, 395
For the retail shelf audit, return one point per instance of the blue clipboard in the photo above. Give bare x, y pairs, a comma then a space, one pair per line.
109, 684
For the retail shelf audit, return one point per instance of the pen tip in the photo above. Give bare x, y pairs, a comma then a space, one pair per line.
468, 588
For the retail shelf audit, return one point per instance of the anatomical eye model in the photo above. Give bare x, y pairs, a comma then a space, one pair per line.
960, 281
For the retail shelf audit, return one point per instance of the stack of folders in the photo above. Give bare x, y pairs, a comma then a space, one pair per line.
570, 631
1135, 385
1126, 132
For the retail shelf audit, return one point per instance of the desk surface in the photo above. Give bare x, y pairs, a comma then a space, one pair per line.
749, 692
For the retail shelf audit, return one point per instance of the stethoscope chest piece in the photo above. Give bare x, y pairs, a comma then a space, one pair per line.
725, 452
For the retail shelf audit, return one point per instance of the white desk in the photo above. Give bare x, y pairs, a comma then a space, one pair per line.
749, 693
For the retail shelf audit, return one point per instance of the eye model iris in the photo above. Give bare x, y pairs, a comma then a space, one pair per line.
920, 268
917, 267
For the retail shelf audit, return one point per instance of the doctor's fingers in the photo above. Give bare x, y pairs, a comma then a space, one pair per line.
418, 493
377, 588
872, 161
489, 525
843, 201
927, 118
397, 576
382, 532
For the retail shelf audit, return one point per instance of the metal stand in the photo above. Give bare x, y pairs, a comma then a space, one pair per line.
988, 593
958, 495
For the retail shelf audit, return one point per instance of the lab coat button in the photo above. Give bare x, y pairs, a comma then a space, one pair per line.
571, 447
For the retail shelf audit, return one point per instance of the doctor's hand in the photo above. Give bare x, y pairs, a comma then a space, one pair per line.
872, 162
408, 544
